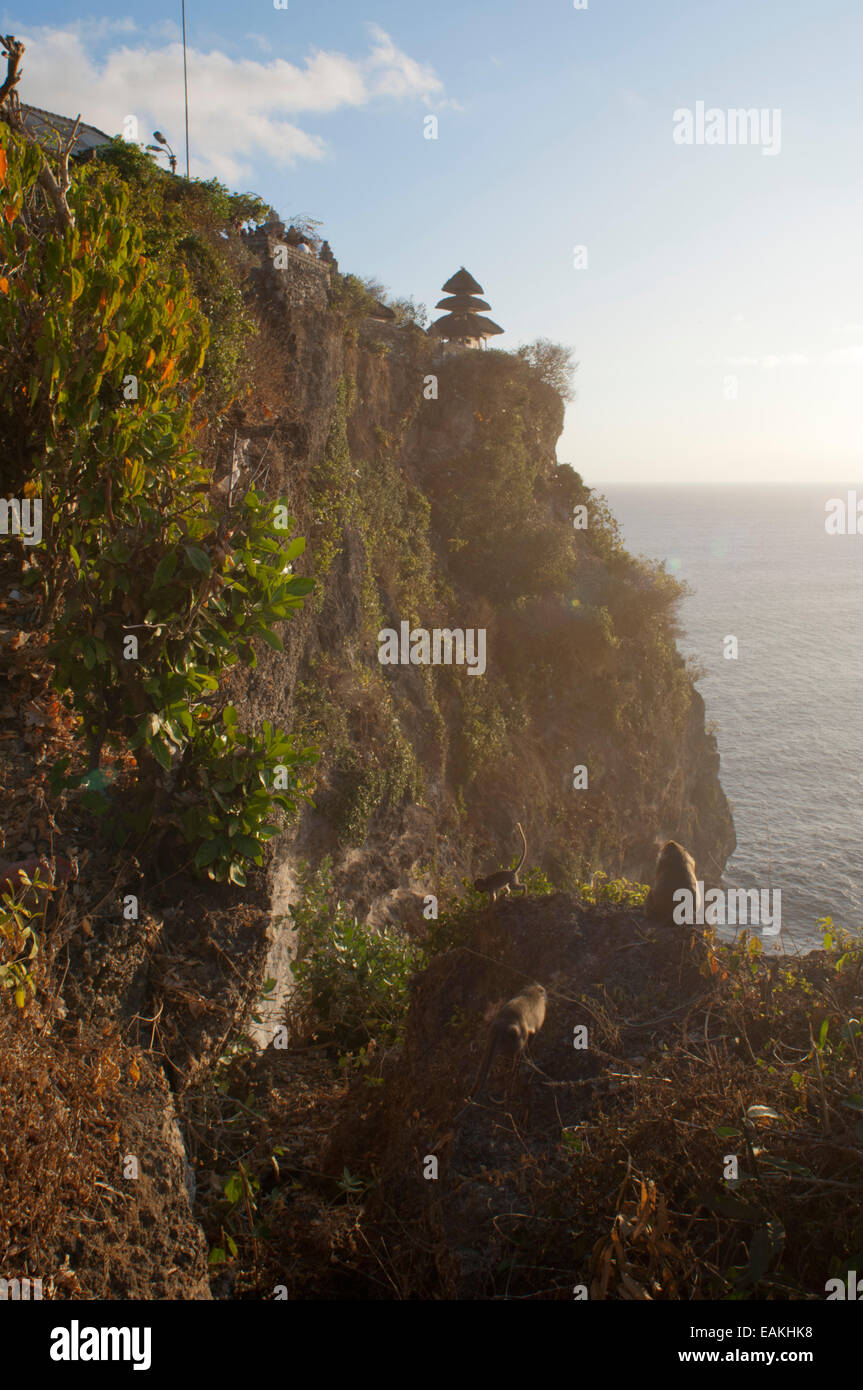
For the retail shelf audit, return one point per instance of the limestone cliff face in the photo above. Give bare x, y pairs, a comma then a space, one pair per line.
428, 489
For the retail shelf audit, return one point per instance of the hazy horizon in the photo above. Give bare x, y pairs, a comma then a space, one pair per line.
855, 484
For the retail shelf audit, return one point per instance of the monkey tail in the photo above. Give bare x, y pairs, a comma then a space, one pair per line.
520, 863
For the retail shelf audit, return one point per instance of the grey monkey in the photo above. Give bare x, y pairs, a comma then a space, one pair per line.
514, 1023
675, 868
504, 880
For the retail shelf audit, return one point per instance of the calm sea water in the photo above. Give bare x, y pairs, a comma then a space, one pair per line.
788, 714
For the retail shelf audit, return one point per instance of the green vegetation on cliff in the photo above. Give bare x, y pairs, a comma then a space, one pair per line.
149, 583
451, 512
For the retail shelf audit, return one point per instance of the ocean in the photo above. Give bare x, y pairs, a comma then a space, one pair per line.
787, 713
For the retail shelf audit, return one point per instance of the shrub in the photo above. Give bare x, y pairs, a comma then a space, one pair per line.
350, 979
553, 364
149, 589
351, 298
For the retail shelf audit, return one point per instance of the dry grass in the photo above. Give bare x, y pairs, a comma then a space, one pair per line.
614, 1173
58, 1137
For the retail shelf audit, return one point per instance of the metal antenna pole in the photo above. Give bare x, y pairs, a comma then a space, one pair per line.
185, 85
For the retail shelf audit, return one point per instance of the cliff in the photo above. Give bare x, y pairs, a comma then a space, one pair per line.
429, 492
449, 510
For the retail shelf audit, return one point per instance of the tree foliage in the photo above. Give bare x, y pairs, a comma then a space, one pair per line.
553, 363
151, 584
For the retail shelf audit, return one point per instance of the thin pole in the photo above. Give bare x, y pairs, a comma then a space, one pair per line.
185, 86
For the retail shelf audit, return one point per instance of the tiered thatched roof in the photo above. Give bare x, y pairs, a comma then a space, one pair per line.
463, 323
462, 303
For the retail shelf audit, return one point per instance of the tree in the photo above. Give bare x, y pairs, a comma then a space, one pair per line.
553, 362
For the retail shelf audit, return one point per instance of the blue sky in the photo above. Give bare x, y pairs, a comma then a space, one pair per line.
719, 321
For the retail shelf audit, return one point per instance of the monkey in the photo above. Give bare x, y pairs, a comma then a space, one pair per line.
513, 1024
505, 880
675, 869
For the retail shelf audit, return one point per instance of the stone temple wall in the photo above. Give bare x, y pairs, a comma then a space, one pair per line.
295, 276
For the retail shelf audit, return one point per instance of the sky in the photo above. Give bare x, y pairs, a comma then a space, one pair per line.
716, 308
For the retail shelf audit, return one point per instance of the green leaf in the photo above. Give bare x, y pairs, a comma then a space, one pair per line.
248, 846
207, 853
199, 558
786, 1166
160, 752
233, 1188
165, 569
271, 639
57, 776
760, 1252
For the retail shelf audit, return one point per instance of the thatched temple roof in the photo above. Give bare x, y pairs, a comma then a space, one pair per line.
463, 322
462, 303
462, 283
464, 326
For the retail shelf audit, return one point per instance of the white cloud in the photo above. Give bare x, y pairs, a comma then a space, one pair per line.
260, 41
238, 109
394, 74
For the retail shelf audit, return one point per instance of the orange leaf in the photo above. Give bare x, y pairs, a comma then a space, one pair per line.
170, 307
4, 284
151, 357
102, 341
103, 300
9, 214
168, 368
2, 166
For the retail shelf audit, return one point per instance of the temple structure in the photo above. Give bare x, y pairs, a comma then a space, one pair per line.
463, 323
